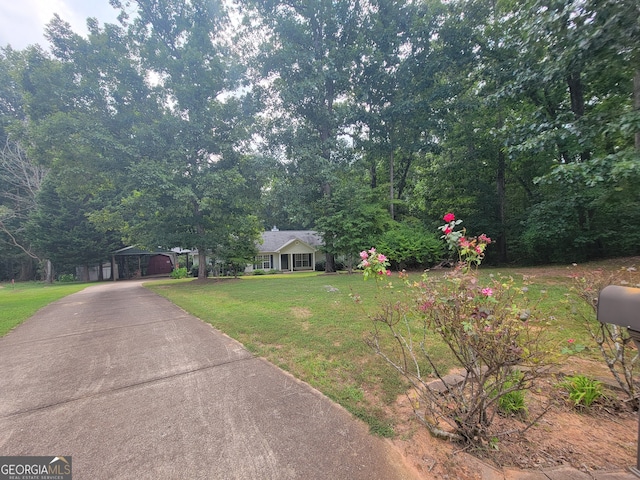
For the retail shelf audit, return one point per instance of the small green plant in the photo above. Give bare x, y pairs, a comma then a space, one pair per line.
572, 348
512, 401
67, 278
259, 272
179, 273
583, 391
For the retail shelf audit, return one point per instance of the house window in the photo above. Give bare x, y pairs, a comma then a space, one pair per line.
302, 260
263, 262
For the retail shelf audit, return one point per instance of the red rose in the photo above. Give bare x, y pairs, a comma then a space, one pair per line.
449, 217
447, 231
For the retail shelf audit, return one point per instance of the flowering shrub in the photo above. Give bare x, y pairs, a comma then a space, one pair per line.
470, 250
488, 329
374, 264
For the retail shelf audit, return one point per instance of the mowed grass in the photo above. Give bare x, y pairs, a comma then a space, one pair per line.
306, 324
20, 301
309, 325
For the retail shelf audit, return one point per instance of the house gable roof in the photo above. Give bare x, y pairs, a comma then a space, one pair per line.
275, 241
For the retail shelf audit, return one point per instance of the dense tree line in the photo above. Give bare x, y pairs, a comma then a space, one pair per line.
199, 123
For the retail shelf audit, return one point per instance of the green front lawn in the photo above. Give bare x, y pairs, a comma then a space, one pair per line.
310, 326
20, 301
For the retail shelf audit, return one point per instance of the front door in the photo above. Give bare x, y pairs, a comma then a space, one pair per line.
284, 262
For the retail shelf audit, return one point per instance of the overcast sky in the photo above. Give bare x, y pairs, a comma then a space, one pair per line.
22, 22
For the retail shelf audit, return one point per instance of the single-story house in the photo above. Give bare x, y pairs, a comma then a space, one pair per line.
287, 251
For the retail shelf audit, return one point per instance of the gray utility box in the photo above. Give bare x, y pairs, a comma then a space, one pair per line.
621, 306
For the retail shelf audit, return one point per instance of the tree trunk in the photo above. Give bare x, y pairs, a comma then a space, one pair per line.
636, 103
202, 263
330, 263
405, 166
391, 192
84, 273
501, 187
374, 176
48, 271
26, 270
576, 92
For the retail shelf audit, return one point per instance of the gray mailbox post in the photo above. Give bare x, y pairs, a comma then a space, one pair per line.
621, 306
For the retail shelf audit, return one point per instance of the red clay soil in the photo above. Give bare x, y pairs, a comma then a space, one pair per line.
604, 438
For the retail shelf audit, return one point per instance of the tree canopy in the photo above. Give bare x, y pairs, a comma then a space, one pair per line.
198, 123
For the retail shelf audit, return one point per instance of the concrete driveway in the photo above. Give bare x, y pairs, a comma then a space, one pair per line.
132, 387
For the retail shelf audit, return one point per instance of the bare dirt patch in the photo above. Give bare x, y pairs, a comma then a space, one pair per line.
601, 439
301, 313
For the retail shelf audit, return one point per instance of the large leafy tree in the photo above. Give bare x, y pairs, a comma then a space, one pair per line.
20, 177
395, 113
82, 104
308, 61
575, 71
194, 188
60, 229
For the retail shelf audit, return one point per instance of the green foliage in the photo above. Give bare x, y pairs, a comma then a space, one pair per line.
513, 403
181, 272
66, 278
583, 391
512, 400
519, 116
60, 231
572, 348
408, 246
351, 219
258, 271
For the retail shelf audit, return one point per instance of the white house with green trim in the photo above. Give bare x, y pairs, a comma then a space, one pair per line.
287, 251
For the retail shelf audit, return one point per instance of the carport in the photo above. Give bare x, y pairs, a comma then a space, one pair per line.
134, 262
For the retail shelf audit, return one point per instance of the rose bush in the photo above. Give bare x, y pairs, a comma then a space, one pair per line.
373, 264
490, 330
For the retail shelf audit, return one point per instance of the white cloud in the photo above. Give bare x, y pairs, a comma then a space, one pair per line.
22, 23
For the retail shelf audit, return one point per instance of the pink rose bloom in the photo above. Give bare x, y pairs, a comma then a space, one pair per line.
487, 292
364, 255
372, 251
571, 340
478, 250
483, 238
365, 263
426, 306
449, 217
463, 242
388, 273
447, 231
382, 258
